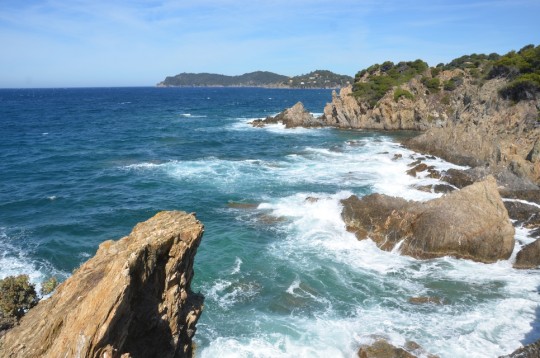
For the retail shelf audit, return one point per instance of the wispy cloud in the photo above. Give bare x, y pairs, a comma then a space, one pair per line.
139, 42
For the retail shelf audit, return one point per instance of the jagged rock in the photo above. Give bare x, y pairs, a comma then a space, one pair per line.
296, 116
471, 223
529, 351
417, 169
132, 299
529, 256
458, 178
525, 214
509, 184
534, 154
382, 349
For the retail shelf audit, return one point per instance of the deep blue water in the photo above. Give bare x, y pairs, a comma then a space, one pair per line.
283, 278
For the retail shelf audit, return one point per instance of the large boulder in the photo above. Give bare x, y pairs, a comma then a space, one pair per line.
470, 223
132, 299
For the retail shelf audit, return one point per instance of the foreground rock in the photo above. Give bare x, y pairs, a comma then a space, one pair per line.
471, 223
132, 299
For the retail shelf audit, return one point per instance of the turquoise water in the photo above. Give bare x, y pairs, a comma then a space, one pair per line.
281, 275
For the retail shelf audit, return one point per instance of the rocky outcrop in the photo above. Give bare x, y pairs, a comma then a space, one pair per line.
388, 114
296, 116
132, 299
470, 223
529, 256
486, 130
381, 348
470, 124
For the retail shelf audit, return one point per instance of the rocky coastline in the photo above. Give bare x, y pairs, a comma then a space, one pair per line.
132, 299
467, 122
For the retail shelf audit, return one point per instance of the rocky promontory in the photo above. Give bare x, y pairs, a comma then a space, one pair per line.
477, 110
132, 299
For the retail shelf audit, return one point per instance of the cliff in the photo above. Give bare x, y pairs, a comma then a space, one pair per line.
132, 299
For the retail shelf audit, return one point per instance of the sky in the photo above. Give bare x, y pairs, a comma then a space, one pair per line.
103, 43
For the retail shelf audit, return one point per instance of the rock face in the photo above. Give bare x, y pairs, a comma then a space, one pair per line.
346, 112
296, 116
132, 299
470, 223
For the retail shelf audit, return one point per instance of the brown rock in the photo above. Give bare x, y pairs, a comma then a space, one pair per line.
457, 178
426, 299
417, 169
525, 214
529, 256
534, 154
296, 116
382, 349
132, 299
471, 223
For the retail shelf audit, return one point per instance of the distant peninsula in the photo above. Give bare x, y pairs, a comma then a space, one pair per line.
314, 79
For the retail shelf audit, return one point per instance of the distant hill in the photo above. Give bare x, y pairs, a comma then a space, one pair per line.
315, 79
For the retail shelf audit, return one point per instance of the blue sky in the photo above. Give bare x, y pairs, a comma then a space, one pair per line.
77, 43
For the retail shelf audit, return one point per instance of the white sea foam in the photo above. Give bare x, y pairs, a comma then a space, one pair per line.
228, 292
189, 115
237, 264
13, 262
522, 201
462, 328
314, 236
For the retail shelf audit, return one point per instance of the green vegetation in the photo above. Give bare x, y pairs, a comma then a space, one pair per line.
400, 92
49, 285
315, 79
212, 79
383, 78
522, 68
17, 295
452, 83
470, 61
433, 84
445, 100
319, 79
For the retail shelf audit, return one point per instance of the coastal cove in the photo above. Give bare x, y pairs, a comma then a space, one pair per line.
280, 273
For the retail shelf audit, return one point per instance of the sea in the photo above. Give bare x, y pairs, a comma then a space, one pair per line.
281, 275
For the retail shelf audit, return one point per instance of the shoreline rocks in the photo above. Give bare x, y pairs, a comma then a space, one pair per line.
132, 299
296, 116
471, 223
